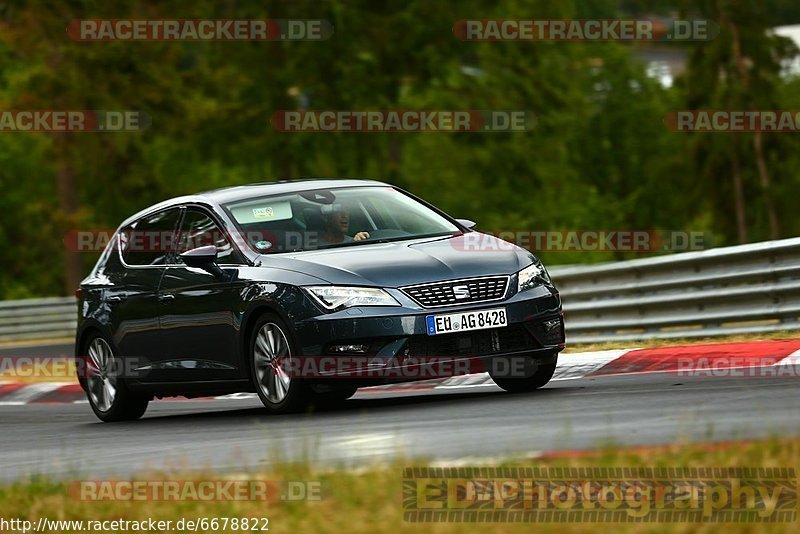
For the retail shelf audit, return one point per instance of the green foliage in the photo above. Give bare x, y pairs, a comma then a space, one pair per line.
599, 156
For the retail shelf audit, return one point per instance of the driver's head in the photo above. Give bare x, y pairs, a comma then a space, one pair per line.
337, 218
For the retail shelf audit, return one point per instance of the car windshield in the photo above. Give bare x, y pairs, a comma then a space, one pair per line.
327, 218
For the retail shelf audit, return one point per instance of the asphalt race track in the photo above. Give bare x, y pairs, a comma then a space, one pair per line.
467, 424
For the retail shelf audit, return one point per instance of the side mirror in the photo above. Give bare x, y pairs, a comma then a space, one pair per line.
466, 223
203, 258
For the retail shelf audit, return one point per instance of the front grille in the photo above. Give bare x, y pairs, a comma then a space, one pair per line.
458, 291
478, 343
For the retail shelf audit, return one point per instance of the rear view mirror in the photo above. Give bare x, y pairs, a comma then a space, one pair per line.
200, 256
204, 258
466, 223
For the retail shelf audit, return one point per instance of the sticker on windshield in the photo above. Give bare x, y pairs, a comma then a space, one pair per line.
262, 212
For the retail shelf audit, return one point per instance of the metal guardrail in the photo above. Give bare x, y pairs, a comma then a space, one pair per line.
723, 291
732, 290
46, 318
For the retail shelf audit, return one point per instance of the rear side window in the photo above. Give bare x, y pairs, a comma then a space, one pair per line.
198, 229
148, 241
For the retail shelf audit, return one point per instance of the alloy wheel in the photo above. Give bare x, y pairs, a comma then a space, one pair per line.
269, 353
102, 375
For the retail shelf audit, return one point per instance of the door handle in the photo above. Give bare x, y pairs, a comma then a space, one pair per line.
166, 297
114, 298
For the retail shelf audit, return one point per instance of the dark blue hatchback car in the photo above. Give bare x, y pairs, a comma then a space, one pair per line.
303, 291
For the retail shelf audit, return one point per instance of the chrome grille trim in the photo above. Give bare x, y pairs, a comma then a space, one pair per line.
440, 294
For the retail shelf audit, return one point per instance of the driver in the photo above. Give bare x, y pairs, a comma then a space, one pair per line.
337, 222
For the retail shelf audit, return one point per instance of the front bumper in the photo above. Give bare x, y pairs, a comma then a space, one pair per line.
398, 348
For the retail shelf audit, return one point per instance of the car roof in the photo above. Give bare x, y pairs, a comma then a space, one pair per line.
243, 192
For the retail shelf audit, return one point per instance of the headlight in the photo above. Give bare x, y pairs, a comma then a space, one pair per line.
532, 275
337, 297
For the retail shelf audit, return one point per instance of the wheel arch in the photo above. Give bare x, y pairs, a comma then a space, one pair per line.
255, 311
88, 328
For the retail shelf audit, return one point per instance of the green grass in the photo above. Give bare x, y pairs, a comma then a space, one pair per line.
368, 500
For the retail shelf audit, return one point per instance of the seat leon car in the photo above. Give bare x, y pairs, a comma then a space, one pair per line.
302, 292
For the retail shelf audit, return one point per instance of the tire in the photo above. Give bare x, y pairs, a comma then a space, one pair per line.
271, 340
535, 377
108, 394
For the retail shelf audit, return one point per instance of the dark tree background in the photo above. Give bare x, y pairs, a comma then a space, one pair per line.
599, 157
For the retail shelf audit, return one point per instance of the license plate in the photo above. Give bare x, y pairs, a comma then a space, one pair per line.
466, 321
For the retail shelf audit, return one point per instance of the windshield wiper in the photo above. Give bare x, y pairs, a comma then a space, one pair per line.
371, 241
381, 240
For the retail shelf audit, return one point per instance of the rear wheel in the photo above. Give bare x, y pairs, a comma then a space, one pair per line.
532, 377
108, 394
270, 348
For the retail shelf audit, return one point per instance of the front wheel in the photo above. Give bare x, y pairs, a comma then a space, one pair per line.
270, 349
534, 377
108, 395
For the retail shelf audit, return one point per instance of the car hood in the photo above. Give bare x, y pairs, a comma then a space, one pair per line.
404, 263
